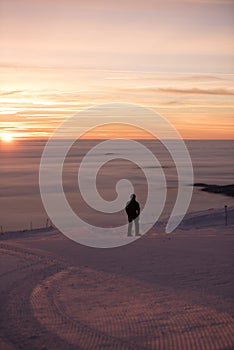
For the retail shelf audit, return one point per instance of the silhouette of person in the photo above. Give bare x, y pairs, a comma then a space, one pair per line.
133, 211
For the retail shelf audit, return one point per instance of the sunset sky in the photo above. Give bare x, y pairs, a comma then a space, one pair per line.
61, 56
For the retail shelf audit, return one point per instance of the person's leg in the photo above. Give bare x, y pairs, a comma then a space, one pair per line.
136, 221
130, 228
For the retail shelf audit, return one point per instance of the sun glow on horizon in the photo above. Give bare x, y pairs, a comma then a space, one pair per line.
6, 137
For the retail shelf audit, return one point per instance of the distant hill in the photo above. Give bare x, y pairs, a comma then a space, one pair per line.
227, 190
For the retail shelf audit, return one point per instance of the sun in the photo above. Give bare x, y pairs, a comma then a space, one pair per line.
7, 138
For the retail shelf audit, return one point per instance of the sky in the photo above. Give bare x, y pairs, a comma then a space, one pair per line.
59, 57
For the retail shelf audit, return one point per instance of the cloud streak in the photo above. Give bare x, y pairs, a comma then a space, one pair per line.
197, 91
178, 91
6, 93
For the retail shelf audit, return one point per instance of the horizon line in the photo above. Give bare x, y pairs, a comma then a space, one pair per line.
105, 139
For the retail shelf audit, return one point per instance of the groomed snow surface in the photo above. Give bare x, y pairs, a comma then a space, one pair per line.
164, 291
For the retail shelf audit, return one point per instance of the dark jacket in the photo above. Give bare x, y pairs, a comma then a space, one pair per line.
132, 209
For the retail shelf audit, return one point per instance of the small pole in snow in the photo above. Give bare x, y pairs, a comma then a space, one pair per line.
31, 227
226, 218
